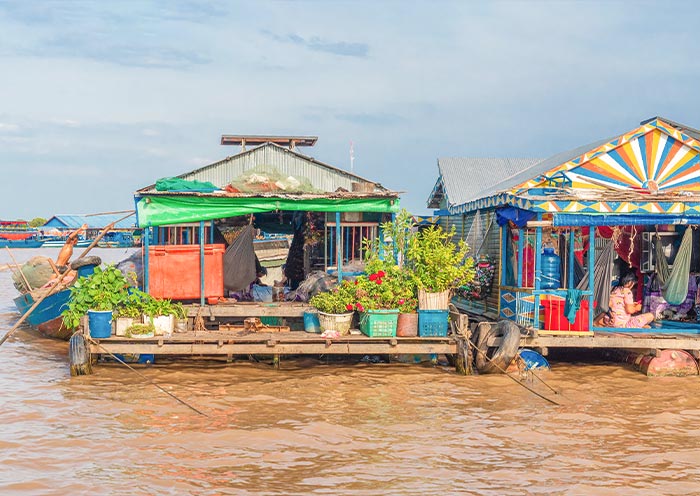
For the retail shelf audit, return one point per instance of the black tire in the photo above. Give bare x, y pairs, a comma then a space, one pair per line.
499, 358
85, 261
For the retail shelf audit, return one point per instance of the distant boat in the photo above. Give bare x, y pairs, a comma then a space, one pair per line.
18, 234
117, 239
59, 242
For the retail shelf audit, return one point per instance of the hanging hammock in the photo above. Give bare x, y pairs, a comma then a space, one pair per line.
675, 282
602, 277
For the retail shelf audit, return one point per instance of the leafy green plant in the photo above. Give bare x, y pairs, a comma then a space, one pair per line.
338, 300
105, 289
154, 308
437, 262
140, 330
384, 287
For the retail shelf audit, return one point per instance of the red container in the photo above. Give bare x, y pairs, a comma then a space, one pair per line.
173, 271
555, 319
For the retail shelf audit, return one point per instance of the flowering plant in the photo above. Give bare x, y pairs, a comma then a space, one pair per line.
338, 300
385, 286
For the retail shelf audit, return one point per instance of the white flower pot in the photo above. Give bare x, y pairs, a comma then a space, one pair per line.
163, 324
121, 324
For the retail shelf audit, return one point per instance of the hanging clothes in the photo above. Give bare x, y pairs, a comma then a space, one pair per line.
572, 304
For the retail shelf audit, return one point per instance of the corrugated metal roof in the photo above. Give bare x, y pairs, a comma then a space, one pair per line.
322, 176
94, 221
539, 168
692, 132
464, 179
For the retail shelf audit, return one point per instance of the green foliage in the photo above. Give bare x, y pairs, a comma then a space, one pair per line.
154, 308
398, 236
37, 222
338, 300
438, 263
105, 289
385, 287
140, 330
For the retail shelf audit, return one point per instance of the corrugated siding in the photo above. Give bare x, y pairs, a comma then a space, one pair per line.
484, 239
274, 157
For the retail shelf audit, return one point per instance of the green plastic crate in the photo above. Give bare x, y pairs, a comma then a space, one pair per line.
379, 323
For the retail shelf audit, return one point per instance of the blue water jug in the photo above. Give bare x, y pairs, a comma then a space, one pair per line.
551, 263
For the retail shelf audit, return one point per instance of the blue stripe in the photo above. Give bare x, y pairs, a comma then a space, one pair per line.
691, 163
643, 150
618, 158
669, 143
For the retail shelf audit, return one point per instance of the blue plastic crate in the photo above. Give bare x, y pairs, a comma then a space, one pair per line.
432, 323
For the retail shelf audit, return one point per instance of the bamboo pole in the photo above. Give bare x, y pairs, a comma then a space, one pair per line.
24, 278
102, 233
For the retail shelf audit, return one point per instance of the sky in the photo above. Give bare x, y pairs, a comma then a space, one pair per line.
101, 98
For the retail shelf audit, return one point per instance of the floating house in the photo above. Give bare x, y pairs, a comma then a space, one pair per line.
275, 189
123, 234
561, 231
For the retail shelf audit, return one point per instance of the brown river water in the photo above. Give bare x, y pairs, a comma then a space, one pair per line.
334, 429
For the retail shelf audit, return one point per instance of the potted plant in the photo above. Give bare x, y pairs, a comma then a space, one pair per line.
96, 295
130, 311
180, 313
160, 313
439, 266
140, 331
335, 308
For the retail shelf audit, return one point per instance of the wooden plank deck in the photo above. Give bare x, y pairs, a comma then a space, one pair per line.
611, 340
266, 343
248, 309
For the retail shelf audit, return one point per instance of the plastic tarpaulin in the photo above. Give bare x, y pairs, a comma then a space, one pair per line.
518, 216
163, 210
177, 184
623, 219
239, 262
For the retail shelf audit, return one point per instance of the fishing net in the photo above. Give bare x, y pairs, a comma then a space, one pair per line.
37, 270
268, 179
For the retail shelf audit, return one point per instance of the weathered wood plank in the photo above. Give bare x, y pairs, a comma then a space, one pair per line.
279, 348
280, 309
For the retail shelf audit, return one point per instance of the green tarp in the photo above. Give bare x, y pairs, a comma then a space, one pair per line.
163, 210
177, 184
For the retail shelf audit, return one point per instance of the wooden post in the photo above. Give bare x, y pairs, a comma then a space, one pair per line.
146, 241
338, 248
538, 274
591, 273
463, 364
276, 362
201, 264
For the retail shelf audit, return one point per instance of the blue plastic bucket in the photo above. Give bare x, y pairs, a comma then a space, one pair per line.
311, 323
100, 322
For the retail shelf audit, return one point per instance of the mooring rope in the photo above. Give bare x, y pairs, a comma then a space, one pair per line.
151, 381
513, 378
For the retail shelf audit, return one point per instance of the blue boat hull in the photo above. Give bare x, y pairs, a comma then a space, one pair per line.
21, 243
47, 316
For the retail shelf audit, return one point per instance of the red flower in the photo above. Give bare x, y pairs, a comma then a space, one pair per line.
379, 281
373, 277
359, 307
348, 307
357, 282
381, 273
401, 301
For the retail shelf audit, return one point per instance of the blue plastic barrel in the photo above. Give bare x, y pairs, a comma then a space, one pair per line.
100, 323
551, 265
311, 323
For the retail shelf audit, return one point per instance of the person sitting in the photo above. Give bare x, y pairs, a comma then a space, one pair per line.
623, 309
67, 251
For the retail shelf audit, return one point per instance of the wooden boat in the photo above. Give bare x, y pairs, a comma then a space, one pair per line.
46, 318
18, 234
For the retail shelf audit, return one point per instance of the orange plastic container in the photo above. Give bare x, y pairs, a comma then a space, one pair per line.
174, 271
555, 319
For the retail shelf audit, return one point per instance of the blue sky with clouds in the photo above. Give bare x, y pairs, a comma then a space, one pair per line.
100, 98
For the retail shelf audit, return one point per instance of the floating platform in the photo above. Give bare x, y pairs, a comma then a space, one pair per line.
271, 343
